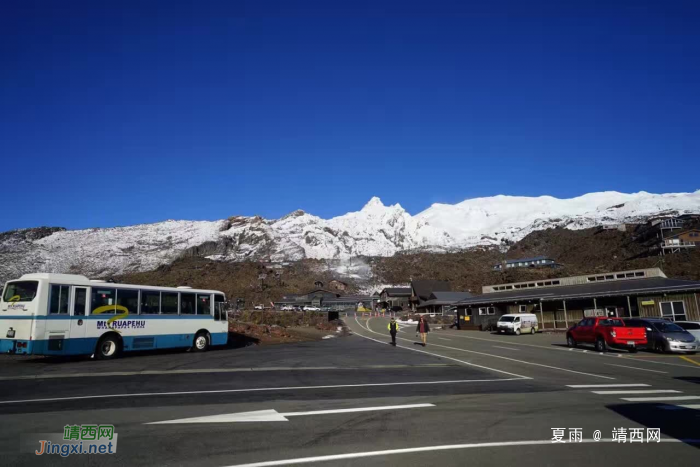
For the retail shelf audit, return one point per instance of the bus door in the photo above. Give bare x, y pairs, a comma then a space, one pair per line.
78, 323
57, 320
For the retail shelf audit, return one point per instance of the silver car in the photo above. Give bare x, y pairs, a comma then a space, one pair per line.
665, 336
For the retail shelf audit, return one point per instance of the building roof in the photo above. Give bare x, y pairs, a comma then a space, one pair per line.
681, 233
424, 287
445, 298
528, 260
350, 298
450, 296
590, 290
398, 291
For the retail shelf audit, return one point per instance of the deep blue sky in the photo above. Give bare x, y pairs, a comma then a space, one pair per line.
116, 113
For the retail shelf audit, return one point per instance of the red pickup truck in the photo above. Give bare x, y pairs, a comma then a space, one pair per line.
606, 333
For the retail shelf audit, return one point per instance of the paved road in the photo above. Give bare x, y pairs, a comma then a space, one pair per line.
466, 398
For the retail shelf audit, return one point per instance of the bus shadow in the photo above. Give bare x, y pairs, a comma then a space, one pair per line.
235, 341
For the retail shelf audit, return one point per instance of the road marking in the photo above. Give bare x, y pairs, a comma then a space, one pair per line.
507, 348
283, 388
213, 370
691, 406
658, 399
440, 356
443, 339
690, 360
272, 415
638, 391
508, 358
635, 368
588, 386
448, 447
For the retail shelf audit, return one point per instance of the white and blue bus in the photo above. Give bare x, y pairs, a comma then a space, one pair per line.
65, 314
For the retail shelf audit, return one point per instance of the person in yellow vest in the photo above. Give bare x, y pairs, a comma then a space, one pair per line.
393, 328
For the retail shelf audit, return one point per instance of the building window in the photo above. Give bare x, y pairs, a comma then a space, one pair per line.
673, 310
59, 299
522, 308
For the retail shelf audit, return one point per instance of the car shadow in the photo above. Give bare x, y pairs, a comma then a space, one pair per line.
672, 421
689, 379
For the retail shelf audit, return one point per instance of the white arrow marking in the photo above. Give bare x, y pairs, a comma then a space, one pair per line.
272, 415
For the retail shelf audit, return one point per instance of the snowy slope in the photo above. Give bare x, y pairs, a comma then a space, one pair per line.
375, 230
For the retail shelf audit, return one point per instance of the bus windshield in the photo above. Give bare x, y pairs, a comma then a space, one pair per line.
21, 291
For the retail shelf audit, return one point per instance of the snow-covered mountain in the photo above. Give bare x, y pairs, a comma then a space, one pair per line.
375, 230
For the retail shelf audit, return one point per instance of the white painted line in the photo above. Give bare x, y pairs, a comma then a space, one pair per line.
207, 370
271, 415
448, 447
588, 386
691, 406
441, 356
635, 368
443, 339
284, 388
359, 409
638, 391
507, 348
660, 399
507, 358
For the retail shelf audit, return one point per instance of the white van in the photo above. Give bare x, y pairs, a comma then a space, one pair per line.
522, 323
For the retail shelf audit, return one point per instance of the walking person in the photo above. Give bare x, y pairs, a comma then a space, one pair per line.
423, 328
393, 329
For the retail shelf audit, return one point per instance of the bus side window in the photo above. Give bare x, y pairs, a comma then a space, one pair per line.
188, 303
103, 300
59, 299
203, 304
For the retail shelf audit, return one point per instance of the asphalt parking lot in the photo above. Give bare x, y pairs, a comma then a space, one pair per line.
466, 397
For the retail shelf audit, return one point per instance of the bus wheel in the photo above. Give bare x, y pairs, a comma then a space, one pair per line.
201, 342
107, 348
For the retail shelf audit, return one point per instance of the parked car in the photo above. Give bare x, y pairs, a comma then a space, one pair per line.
287, 308
258, 307
692, 327
311, 308
517, 324
606, 333
665, 336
